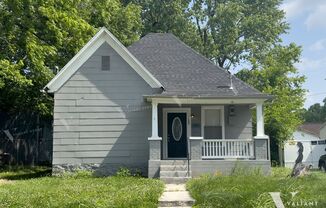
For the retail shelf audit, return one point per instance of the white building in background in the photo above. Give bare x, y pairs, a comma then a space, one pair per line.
313, 138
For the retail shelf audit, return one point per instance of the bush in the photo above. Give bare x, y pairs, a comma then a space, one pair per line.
275, 163
123, 172
77, 174
126, 172
246, 171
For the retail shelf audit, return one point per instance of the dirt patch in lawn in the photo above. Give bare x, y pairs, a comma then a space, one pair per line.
4, 181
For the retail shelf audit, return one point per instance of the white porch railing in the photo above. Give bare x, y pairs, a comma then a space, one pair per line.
227, 148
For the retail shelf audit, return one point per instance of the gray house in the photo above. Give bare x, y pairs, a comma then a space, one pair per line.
157, 106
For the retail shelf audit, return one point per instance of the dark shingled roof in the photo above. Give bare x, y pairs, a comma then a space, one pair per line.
184, 72
312, 128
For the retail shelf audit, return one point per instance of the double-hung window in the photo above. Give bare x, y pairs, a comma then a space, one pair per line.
213, 122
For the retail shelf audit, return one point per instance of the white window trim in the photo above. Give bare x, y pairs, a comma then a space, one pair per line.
203, 108
165, 113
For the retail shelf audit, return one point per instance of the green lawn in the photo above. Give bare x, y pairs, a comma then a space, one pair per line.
35, 188
22, 173
252, 190
79, 190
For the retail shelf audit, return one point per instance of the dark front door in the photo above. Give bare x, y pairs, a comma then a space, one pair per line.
177, 135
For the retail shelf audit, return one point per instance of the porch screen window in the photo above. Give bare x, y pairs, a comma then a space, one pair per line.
212, 124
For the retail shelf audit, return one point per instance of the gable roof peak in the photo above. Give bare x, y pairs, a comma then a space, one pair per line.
102, 36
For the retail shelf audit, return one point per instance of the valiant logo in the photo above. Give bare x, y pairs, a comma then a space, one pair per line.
276, 196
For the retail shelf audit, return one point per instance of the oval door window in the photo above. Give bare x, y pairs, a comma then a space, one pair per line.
176, 129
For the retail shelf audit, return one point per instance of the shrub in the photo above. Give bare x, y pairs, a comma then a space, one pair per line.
126, 172
246, 171
123, 172
77, 174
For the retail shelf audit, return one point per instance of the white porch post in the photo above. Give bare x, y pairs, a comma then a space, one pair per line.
154, 120
260, 120
261, 141
154, 145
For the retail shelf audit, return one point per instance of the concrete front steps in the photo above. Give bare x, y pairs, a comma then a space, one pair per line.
174, 171
176, 195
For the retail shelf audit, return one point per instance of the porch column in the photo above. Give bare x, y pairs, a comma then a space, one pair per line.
154, 140
261, 141
154, 120
260, 119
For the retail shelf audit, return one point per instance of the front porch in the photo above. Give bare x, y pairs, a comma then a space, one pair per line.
207, 135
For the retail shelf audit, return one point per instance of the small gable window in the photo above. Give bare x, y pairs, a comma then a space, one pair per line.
105, 63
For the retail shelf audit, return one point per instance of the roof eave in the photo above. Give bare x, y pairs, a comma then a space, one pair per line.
206, 99
264, 97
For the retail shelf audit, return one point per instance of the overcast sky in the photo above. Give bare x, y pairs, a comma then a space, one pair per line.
307, 20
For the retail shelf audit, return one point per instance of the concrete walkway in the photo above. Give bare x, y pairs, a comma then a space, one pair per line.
176, 195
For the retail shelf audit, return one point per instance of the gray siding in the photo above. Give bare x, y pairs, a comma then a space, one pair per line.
240, 125
100, 117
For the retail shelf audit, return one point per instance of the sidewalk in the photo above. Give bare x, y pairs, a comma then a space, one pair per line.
176, 195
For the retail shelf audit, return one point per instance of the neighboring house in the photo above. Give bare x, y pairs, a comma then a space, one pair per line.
150, 107
313, 138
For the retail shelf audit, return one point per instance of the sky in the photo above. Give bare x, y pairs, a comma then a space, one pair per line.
307, 20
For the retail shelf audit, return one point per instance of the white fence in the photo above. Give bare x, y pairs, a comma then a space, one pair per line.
227, 148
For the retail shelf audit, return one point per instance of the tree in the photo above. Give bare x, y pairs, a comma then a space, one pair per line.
316, 113
123, 21
37, 38
168, 16
12, 84
233, 31
275, 74
227, 32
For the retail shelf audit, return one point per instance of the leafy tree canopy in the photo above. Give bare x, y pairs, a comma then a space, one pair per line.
227, 32
38, 37
169, 16
235, 30
316, 113
275, 74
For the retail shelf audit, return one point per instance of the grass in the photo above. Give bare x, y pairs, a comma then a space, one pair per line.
78, 190
23, 173
251, 189
34, 187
